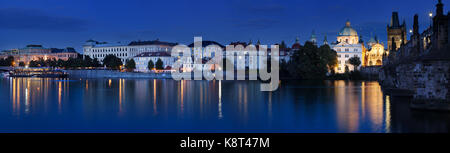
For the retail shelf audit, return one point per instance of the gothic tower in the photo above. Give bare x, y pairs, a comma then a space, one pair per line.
396, 31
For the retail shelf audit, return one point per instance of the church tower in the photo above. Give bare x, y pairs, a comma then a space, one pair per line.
396, 32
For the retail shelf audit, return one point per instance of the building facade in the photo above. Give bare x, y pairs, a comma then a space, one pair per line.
375, 53
143, 59
38, 52
347, 46
124, 51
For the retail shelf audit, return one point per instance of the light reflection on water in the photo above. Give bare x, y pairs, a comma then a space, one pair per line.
126, 105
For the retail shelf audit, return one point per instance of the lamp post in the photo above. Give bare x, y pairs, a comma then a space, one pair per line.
431, 18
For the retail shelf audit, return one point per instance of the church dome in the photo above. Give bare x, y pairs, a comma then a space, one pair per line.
296, 45
372, 41
348, 30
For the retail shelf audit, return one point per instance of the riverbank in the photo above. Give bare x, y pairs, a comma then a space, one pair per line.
116, 74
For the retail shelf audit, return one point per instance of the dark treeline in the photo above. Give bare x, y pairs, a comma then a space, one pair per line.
9, 61
78, 62
309, 62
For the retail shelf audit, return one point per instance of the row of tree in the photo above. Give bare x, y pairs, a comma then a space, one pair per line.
9, 61
313, 62
310, 62
70, 63
110, 61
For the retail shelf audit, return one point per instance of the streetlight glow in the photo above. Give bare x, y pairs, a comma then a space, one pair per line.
431, 14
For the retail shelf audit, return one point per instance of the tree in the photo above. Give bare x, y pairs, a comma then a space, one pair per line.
330, 56
21, 64
112, 62
9, 61
130, 65
150, 65
355, 61
96, 63
308, 63
346, 69
159, 64
33, 64
283, 45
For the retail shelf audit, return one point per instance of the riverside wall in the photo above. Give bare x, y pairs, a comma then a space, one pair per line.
426, 80
115, 74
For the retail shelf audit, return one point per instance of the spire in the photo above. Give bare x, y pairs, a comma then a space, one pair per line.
313, 38
325, 41
258, 43
297, 40
250, 42
416, 25
394, 20
440, 9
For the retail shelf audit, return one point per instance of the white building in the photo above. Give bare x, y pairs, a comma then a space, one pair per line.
347, 46
124, 51
143, 59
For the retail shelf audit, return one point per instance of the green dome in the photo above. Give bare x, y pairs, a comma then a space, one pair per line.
348, 30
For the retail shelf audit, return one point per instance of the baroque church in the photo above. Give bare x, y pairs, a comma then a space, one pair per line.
348, 45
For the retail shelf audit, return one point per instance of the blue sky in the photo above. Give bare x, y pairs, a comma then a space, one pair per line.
69, 23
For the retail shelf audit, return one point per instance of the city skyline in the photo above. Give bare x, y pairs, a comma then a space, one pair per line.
268, 21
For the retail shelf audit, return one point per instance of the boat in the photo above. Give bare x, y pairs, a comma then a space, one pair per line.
5, 75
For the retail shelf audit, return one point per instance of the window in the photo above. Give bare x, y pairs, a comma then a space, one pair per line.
346, 49
346, 56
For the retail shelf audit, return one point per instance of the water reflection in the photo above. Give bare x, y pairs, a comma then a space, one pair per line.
124, 105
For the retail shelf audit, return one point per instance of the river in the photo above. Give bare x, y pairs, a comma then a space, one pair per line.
159, 106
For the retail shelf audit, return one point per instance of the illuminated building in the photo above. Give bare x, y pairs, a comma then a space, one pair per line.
348, 45
37, 52
374, 54
143, 59
124, 51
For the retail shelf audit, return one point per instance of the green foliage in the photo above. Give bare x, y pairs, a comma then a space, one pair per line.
159, 64
130, 65
329, 55
150, 65
311, 62
112, 62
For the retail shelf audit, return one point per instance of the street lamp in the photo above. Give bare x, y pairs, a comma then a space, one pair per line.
431, 18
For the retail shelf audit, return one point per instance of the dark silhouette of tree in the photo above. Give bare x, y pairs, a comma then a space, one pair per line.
159, 64
330, 57
21, 64
112, 62
130, 65
355, 61
96, 63
150, 65
7, 61
33, 64
309, 62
